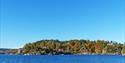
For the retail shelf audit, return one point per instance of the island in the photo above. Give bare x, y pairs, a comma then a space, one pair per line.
69, 47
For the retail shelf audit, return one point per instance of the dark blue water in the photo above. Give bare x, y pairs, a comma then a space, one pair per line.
62, 59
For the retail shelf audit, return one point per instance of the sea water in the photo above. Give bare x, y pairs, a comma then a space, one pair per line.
62, 59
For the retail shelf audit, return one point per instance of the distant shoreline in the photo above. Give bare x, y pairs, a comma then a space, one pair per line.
67, 55
70, 47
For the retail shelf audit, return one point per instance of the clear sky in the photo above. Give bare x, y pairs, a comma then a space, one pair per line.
24, 21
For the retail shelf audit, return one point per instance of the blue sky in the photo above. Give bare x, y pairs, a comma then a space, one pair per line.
23, 21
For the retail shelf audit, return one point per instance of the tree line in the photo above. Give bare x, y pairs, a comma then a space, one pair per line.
74, 47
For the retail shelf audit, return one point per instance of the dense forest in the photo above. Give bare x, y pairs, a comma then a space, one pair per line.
54, 47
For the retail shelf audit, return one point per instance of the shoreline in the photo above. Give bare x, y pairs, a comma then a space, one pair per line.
67, 55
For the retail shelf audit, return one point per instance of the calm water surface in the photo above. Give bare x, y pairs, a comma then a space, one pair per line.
62, 59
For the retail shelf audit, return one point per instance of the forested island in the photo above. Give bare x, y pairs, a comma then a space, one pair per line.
69, 47
55, 47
